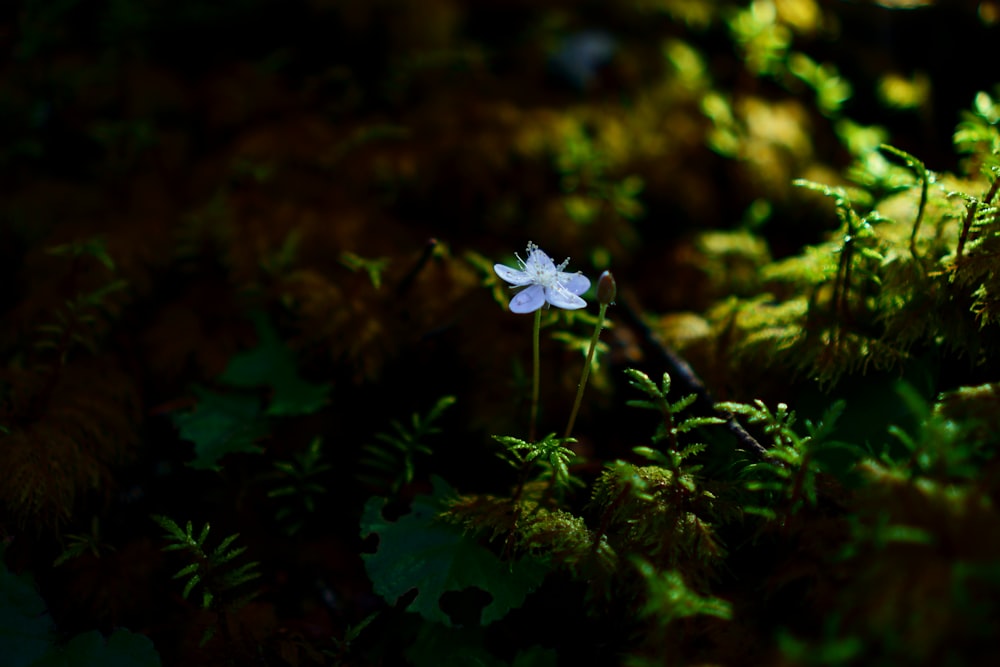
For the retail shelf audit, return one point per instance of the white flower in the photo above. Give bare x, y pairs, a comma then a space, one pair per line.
546, 283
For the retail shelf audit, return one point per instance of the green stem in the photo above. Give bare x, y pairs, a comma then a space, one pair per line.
536, 357
586, 370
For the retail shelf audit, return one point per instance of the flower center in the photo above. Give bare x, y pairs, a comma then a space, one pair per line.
544, 276
541, 269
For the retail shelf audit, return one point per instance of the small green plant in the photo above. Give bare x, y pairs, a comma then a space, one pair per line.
298, 489
663, 512
550, 453
392, 463
211, 568
938, 445
375, 268
668, 430
342, 645
789, 475
78, 544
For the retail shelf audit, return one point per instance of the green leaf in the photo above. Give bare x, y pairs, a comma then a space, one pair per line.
272, 364
90, 649
418, 552
437, 645
219, 425
27, 635
536, 656
26, 630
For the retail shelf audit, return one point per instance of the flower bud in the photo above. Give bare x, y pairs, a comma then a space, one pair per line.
607, 289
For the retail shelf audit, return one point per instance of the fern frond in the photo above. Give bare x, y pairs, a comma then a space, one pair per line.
208, 566
669, 428
81, 543
550, 454
789, 477
298, 487
392, 464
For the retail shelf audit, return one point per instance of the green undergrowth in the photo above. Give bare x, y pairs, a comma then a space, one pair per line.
28, 634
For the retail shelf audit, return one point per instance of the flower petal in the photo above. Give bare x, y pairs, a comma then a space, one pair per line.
562, 298
540, 260
576, 283
513, 276
528, 300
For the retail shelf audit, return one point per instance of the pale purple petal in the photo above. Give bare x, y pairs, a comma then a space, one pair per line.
513, 276
577, 283
528, 300
563, 299
539, 259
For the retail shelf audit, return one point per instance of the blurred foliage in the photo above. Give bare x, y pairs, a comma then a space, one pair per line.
28, 637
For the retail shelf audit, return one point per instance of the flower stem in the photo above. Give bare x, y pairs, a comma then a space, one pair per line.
536, 361
586, 371
607, 289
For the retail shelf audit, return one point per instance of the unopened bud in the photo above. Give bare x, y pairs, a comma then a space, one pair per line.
607, 289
